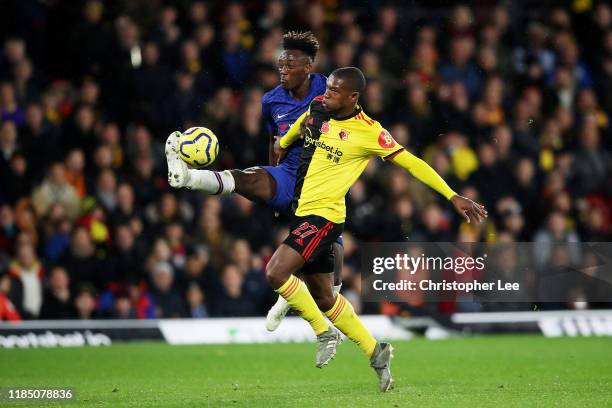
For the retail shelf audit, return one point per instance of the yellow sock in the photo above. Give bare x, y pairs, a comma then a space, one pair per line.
343, 316
299, 298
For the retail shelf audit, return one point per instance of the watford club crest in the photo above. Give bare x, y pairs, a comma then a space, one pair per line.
343, 134
325, 127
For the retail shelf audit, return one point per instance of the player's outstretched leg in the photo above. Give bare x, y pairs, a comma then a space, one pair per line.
179, 175
343, 316
279, 273
279, 310
255, 183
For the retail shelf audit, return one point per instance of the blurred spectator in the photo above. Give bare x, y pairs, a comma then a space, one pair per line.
123, 307
55, 189
434, 226
106, 190
26, 286
235, 58
460, 68
8, 229
39, 138
233, 301
195, 301
491, 179
57, 300
536, 48
556, 231
14, 52
18, 180
126, 208
151, 83
236, 218
74, 171
83, 264
85, 302
592, 166
126, 299
7, 309
89, 40
167, 299
9, 107
124, 260
26, 86
8, 143
81, 132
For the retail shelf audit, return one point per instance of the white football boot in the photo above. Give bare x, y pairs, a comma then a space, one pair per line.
178, 176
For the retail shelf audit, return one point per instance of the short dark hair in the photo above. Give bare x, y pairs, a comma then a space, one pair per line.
353, 77
304, 41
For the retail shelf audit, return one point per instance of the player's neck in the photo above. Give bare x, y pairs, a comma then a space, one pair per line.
344, 113
301, 91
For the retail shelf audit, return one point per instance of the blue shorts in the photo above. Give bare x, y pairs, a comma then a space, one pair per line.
285, 187
284, 175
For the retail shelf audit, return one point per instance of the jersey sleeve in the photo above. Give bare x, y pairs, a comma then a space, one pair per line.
266, 117
422, 172
382, 144
294, 131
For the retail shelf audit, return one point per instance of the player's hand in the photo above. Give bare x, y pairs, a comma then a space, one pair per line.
279, 151
303, 125
178, 175
469, 209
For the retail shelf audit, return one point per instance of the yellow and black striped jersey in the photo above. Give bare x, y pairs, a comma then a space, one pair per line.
336, 151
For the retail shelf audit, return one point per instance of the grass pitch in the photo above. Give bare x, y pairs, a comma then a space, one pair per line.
478, 371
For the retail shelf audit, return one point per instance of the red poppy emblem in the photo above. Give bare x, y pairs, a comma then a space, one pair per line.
325, 127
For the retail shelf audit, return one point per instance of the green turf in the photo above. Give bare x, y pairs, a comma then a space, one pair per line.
479, 371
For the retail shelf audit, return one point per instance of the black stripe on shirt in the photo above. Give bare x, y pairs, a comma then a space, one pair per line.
392, 155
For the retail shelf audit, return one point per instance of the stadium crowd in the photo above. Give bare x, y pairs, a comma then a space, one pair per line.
509, 103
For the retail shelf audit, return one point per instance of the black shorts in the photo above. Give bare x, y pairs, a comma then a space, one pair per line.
313, 237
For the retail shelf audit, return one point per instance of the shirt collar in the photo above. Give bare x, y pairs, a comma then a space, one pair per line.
356, 112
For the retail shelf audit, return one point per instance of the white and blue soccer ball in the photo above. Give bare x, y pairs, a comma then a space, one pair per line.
198, 147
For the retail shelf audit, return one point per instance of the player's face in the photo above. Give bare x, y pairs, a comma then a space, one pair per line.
338, 96
294, 67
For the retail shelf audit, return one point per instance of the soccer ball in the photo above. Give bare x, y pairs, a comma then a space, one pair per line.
198, 147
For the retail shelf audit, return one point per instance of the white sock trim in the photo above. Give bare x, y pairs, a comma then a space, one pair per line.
211, 182
227, 182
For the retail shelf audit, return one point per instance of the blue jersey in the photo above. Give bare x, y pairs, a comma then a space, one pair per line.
280, 110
